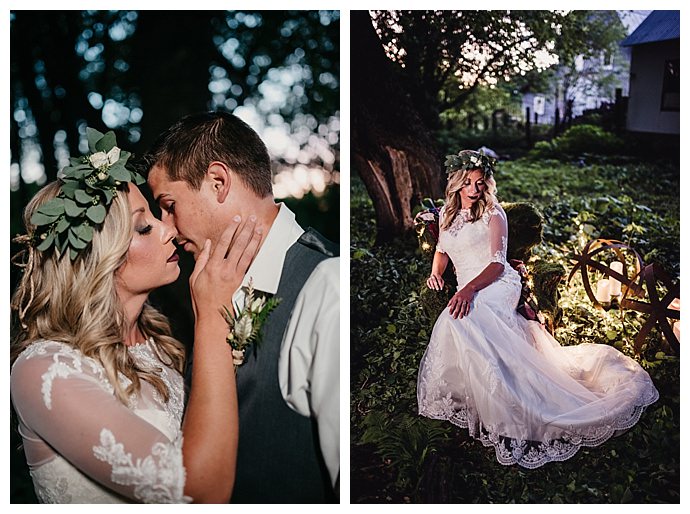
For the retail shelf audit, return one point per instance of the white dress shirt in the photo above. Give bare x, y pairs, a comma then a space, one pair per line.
309, 363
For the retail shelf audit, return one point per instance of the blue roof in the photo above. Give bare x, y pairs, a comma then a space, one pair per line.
658, 26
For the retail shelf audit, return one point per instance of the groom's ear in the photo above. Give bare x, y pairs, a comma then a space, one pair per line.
219, 176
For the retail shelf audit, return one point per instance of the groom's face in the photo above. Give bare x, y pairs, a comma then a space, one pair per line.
189, 211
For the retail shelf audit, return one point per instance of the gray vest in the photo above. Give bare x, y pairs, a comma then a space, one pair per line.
279, 457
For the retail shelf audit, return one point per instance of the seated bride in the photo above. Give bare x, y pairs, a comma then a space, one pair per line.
501, 376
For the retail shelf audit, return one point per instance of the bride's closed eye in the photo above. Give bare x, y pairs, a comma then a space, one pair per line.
144, 230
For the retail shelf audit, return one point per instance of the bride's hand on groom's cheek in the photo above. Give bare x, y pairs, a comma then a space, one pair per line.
219, 270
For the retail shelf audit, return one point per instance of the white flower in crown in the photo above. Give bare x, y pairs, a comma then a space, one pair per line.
100, 159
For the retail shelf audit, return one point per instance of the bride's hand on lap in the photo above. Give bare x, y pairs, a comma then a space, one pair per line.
219, 271
435, 282
460, 302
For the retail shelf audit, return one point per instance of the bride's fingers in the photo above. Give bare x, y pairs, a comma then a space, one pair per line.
240, 243
454, 307
250, 251
221, 249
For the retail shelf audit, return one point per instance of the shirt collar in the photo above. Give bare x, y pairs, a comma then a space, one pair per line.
267, 266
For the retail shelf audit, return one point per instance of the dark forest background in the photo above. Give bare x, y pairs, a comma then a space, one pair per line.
137, 72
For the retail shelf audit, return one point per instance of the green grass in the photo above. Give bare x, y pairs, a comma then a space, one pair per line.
399, 457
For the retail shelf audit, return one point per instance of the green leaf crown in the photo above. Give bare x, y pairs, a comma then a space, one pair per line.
89, 184
470, 160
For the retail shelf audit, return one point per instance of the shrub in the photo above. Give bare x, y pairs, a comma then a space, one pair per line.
578, 141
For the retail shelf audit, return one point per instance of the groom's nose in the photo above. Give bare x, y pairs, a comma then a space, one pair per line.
169, 232
169, 221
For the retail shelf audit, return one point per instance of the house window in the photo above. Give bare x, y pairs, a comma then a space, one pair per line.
607, 60
670, 94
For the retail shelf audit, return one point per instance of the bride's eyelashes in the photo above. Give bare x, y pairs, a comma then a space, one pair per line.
144, 230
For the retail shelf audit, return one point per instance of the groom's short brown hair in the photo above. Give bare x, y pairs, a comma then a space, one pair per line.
187, 148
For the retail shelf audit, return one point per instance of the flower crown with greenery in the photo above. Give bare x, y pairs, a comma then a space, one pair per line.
89, 185
470, 160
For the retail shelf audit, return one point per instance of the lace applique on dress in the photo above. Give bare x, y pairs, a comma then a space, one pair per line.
159, 478
146, 357
53, 491
461, 218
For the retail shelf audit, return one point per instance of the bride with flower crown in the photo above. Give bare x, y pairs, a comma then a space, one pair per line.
96, 379
488, 369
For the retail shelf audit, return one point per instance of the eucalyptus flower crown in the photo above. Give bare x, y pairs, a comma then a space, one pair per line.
470, 160
89, 184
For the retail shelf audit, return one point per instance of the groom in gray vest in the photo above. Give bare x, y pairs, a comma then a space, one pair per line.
205, 170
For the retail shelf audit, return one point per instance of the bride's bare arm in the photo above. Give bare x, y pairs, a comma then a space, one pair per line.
438, 266
210, 425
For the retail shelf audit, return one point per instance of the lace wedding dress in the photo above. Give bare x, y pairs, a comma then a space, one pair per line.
82, 444
506, 379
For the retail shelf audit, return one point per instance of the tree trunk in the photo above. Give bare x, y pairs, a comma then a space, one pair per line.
392, 148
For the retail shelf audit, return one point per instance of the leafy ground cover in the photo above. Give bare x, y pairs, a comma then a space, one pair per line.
399, 457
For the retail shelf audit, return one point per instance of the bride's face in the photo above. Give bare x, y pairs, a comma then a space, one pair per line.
152, 257
472, 189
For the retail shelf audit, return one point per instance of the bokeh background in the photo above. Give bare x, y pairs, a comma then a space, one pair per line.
137, 72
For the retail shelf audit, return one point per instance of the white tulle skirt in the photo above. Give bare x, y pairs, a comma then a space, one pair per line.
516, 389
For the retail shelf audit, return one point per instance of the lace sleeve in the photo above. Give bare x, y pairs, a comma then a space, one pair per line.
498, 235
64, 399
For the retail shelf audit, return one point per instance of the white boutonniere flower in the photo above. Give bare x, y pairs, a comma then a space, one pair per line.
245, 324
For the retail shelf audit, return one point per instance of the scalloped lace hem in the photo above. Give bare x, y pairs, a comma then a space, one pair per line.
533, 454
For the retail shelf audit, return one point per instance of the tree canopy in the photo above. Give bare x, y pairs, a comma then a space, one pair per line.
445, 55
136, 72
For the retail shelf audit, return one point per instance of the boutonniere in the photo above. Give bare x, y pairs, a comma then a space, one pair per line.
245, 324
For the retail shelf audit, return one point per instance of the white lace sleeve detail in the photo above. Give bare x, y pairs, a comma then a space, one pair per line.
498, 234
158, 478
500, 254
66, 362
54, 388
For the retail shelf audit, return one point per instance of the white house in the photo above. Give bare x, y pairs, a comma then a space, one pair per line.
592, 83
654, 92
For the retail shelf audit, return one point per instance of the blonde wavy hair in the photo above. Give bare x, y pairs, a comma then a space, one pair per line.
75, 301
453, 203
